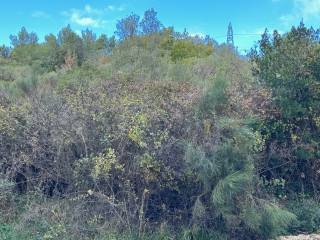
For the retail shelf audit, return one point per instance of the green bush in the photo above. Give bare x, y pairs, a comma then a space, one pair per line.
308, 215
160, 138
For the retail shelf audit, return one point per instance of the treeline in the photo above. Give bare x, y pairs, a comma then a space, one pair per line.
69, 48
155, 134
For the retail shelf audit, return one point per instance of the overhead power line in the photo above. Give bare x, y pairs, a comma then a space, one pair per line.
237, 34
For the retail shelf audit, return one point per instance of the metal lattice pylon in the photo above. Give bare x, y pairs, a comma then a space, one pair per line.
230, 35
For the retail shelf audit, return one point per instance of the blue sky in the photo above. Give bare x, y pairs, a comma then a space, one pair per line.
249, 17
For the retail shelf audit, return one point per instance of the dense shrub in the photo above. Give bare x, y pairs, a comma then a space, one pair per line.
286, 67
308, 215
158, 136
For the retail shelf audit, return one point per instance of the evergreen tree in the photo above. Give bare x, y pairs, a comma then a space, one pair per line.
288, 67
150, 23
127, 27
53, 57
101, 42
4, 51
88, 38
23, 38
70, 43
105, 43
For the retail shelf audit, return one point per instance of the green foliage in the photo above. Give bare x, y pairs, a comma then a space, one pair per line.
128, 27
285, 66
158, 136
203, 235
104, 163
24, 38
71, 46
216, 99
4, 51
27, 54
275, 221
226, 189
183, 49
7, 232
308, 215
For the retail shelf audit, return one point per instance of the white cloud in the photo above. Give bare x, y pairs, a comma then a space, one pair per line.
288, 19
309, 8
86, 17
115, 8
90, 16
111, 7
40, 14
84, 21
88, 8
302, 9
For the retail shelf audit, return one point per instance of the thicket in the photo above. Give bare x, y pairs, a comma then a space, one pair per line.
158, 135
